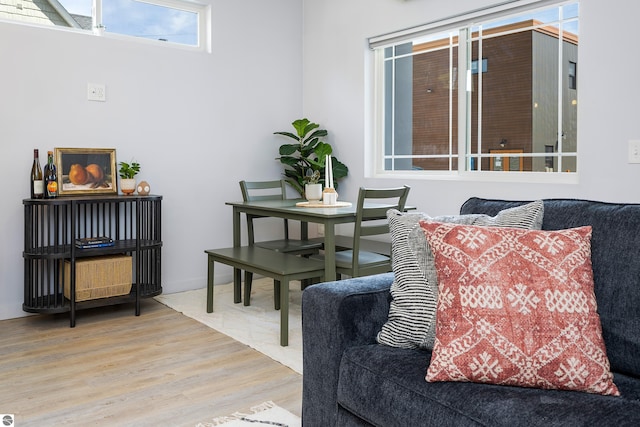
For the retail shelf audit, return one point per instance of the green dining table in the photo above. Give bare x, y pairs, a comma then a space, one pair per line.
327, 216
287, 209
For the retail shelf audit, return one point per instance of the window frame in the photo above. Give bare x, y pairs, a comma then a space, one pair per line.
202, 11
375, 152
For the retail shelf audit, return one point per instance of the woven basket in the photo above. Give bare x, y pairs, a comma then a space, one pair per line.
99, 277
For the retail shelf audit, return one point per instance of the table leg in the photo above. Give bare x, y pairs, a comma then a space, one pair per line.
329, 251
210, 262
284, 312
237, 281
237, 273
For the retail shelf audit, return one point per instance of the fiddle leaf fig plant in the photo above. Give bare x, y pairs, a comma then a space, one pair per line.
304, 159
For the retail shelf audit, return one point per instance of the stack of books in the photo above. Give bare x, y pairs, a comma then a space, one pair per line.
94, 242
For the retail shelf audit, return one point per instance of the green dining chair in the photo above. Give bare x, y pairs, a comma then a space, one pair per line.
272, 190
371, 220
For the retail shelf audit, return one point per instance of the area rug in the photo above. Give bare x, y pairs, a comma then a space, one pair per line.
257, 325
268, 413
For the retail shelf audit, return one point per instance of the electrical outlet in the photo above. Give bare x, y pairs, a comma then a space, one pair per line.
634, 151
96, 92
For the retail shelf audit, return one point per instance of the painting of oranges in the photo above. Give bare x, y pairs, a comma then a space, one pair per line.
86, 170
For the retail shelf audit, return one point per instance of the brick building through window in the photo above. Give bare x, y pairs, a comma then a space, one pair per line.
517, 80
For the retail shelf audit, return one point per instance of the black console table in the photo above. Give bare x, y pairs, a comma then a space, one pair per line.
51, 227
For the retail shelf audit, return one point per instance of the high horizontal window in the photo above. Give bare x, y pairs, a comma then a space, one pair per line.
172, 21
491, 91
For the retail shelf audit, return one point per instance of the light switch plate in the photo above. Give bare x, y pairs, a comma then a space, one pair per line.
96, 92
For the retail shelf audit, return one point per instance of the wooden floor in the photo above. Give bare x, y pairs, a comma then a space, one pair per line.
113, 368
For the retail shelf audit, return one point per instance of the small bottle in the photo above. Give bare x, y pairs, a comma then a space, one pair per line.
37, 183
50, 178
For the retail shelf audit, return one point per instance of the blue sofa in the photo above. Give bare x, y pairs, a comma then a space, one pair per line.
350, 380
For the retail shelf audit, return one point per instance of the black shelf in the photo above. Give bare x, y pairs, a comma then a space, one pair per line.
51, 227
52, 305
64, 251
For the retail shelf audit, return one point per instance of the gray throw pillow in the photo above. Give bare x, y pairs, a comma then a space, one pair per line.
412, 315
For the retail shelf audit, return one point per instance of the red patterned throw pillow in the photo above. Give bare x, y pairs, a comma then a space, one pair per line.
517, 307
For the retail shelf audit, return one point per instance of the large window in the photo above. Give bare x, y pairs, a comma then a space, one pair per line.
490, 92
171, 21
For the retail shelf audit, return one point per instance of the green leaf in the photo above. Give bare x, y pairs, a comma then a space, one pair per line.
308, 128
308, 150
322, 150
313, 143
340, 170
319, 133
288, 160
300, 125
314, 136
288, 149
291, 174
289, 134
316, 164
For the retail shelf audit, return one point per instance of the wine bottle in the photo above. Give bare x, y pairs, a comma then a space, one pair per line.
37, 184
45, 170
50, 178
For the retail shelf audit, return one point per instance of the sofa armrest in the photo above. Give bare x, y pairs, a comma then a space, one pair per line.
335, 316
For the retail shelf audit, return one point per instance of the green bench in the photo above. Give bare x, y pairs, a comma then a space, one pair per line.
279, 266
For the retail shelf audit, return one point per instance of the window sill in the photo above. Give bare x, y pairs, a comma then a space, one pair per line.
506, 177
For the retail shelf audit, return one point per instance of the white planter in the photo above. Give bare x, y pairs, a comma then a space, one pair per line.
313, 192
127, 186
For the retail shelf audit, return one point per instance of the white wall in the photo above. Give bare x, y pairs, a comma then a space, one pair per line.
197, 122
335, 93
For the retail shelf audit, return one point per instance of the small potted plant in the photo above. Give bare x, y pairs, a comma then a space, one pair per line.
127, 172
312, 186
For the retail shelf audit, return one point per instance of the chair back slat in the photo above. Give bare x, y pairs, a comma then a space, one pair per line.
372, 213
253, 191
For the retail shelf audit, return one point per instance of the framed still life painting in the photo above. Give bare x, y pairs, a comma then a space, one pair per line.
84, 171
